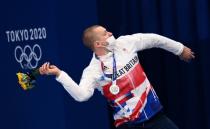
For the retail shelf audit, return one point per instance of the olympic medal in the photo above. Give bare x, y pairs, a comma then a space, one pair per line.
114, 89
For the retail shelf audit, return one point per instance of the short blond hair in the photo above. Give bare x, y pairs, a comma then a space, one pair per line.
89, 36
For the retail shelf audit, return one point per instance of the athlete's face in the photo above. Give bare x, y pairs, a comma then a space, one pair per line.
104, 38
102, 35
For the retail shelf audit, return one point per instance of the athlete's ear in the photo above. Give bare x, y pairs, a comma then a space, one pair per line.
97, 44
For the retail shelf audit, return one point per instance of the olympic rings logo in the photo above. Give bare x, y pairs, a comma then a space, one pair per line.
28, 57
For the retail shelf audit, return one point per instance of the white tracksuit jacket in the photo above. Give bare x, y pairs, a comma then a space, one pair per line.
136, 100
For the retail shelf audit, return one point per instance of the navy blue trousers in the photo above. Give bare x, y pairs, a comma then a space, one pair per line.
159, 121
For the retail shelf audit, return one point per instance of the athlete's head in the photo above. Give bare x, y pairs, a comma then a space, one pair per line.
97, 37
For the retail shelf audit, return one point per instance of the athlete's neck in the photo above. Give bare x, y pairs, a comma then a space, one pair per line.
101, 52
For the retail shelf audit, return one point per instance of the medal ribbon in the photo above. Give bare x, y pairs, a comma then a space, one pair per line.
113, 76
114, 69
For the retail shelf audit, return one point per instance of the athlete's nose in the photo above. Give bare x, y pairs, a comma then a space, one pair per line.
110, 34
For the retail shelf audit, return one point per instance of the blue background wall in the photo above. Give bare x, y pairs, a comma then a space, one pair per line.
47, 106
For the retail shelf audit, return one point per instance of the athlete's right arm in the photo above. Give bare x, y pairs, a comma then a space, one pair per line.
81, 92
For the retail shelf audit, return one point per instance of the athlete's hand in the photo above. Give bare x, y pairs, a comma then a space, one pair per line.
47, 69
187, 54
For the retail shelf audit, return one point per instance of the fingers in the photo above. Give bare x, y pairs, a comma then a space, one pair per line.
52, 66
192, 54
48, 69
187, 54
44, 69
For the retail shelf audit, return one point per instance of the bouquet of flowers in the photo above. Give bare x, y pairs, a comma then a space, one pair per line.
27, 80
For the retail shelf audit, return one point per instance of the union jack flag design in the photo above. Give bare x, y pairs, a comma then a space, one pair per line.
136, 101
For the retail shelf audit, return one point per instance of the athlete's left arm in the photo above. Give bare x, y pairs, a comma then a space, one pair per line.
150, 40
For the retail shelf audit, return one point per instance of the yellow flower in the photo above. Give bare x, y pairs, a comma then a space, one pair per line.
24, 81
